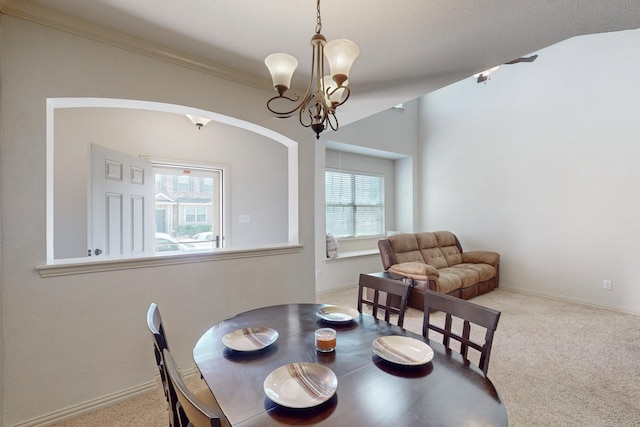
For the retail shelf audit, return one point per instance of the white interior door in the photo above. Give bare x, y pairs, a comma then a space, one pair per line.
122, 204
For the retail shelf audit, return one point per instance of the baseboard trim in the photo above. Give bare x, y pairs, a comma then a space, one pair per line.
89, 406
331, 290
522, 291
568, 299
101, 402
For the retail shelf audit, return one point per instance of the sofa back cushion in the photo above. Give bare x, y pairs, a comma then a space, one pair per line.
406, 248
430, 250
449, 246
439, 249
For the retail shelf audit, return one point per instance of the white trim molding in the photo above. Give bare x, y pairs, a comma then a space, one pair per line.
569, 299
102, 402
90, 406
44, 16
67, 267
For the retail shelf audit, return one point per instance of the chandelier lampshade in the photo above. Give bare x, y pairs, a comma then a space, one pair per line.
281, 66
335, 93
341, 54
317, 108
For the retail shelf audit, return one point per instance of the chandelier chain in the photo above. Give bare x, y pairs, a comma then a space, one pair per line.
319, 20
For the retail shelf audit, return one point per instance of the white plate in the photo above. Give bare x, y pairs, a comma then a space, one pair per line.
301, 385
337, 314
403, 350
250, 339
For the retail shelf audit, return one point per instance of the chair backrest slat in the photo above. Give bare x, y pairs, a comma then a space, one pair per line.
394, 302
196, 412
154, 323
470, 313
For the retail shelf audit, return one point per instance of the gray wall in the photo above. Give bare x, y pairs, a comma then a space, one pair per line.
538, 164
71, 339
351, 162
257, 168
541, 165
392, 136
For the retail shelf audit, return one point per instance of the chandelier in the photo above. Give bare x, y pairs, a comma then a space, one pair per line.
325, 93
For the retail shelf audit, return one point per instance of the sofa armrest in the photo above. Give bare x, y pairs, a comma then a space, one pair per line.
415, 270
387, 255
481, 257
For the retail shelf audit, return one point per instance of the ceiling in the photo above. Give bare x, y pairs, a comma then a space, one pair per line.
407, 47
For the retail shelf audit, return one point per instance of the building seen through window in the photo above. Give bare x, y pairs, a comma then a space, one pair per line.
188, 214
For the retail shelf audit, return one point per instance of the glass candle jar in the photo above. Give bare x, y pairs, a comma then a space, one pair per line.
325, 340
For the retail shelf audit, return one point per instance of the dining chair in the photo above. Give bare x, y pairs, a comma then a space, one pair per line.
386, 294
154, 322
470, 313
199, 409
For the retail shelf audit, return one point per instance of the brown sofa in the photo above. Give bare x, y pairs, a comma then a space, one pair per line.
436, 261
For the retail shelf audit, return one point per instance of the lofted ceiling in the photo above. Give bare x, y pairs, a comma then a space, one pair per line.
407, 47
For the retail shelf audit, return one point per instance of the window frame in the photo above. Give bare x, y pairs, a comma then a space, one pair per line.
354, 220
223, 189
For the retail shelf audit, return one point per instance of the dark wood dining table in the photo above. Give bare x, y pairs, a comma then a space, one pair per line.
371, 391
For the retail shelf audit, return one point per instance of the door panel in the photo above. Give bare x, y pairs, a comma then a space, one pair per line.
114, 224
122, 200
138, 224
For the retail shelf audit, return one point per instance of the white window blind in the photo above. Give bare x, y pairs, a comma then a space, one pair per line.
354, 203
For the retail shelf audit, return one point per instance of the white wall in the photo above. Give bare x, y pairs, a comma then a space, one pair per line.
541, 165
71, 339
391, 135
344, 272
351, 162
257, 168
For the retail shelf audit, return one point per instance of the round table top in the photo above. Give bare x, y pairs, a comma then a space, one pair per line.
371, 391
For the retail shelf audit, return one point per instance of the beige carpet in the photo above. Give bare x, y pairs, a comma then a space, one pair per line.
555, 363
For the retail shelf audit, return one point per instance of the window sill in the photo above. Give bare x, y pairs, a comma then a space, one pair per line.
67, 267
354, 254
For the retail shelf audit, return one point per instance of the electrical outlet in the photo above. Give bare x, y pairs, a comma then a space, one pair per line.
606, 284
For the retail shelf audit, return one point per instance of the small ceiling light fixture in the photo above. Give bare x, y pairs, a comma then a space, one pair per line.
198, 121
325, 92
483, 76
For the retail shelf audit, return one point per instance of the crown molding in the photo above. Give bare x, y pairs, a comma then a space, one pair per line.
29, 11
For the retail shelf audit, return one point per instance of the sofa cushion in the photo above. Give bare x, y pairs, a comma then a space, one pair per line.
448, 282
435, 257
431, 253
449, 246
468, 277
415, 270
481, 257
485, 271
452, 255
426, 240
406, 248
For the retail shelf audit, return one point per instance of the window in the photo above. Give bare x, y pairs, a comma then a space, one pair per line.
183, 184
196, 214
354, 203
188, 206
207, 185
